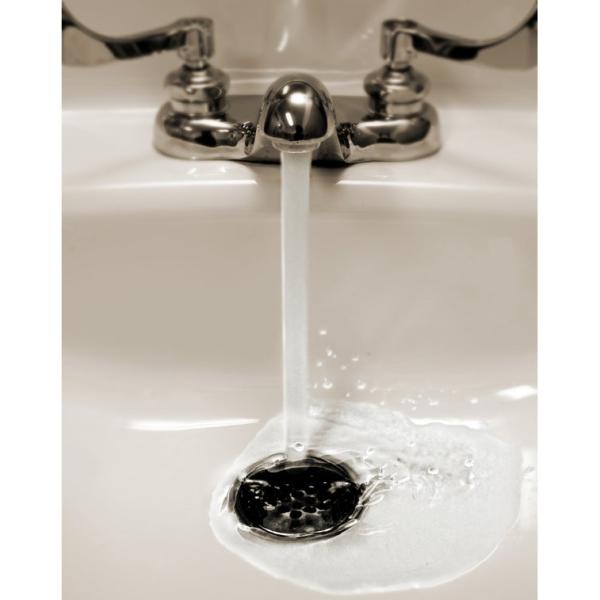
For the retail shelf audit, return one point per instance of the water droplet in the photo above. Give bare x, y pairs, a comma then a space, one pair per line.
355, 359
410, 443
469, 461
327, 384
319, 363
433, 470
474, 400
298, 446
343, 367
370, 450
434, 402
347, 395
361, 385
329, 352
322, 331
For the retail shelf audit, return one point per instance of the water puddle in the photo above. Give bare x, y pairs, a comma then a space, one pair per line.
446, 497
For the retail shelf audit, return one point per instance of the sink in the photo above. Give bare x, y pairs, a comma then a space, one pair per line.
425, 271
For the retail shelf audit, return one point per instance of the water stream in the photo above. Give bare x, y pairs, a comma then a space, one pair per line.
295, 179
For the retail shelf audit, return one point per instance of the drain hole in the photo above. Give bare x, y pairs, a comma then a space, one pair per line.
312, 497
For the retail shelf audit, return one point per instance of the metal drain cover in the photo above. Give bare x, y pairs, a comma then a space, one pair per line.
308, 498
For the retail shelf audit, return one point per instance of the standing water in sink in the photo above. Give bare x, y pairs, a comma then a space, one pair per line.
445, 498
295, 179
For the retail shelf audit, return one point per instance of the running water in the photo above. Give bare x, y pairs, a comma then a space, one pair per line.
295, 179
445, 496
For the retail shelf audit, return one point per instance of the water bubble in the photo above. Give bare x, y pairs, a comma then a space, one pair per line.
327, 384
322, 331
370, 450
434, 402
355, 359
298, 446
361, 385
433, 470
469, 461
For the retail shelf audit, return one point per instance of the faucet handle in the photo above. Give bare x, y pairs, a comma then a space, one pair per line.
397, 89
196, 88
193, 38
397, 47
198, 40
401, 38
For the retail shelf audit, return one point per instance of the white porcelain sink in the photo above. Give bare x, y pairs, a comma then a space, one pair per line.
424, 270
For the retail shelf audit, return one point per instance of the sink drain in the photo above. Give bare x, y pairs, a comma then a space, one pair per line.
310, 498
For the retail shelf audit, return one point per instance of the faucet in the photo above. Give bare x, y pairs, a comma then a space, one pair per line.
201, 121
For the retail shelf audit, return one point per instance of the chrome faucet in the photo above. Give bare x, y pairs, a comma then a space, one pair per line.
392, 122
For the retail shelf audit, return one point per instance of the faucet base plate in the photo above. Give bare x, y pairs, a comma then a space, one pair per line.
361, 135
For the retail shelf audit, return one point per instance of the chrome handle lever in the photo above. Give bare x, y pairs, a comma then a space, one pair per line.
192, 37
428, 41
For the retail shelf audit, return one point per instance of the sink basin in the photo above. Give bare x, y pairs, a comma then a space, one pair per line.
423, 271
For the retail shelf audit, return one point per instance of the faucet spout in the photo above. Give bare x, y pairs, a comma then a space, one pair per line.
296, 113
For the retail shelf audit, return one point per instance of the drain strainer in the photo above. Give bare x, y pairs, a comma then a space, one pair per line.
310, 498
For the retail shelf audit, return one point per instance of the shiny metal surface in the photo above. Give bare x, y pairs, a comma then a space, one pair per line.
193, 122
296, 113
192, 38
393, 122
358, 136
314, 518
395, 32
